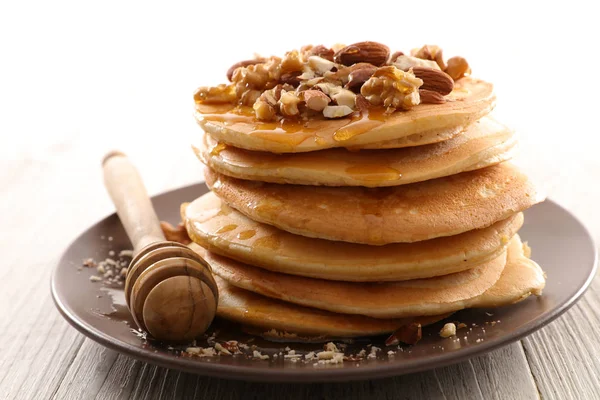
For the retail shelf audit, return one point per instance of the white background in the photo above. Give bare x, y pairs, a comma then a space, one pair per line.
121, 74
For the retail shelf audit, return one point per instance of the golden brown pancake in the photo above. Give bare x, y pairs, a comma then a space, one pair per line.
521, 278
470, 100
376, 216
264, 313
432, 296
485, 143
227, 232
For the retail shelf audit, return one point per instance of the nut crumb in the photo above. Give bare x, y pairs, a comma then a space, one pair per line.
448, 330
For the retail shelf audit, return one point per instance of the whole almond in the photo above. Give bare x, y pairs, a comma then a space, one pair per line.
244, 63
360, 75
368, 52
431, 97
316, 100
434, 79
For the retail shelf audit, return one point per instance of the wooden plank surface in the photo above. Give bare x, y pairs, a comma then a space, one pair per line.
42, 357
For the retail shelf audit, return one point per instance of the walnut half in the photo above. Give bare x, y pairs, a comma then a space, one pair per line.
392, 88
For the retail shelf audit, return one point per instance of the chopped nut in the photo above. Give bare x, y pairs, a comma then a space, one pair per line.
430, 52
291, 62
315, 99
244, 63
392, 88
409, 334
358, 76
258, 76
291, 78
322, 52
249, 97
407, 62
395, 55
448, 330
221, 349
288, 103
320, 65
175, 234
344, 97
95, 278
215, 95
336, 111
458, 67
257, 354
264, 107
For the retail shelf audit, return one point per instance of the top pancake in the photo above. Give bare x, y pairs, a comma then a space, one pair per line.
470, 100
485, 143
408, 213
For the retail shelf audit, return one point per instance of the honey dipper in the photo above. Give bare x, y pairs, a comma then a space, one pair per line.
169, 289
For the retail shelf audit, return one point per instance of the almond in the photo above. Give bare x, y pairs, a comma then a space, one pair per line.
368, 52
395, 55
435, 80
360, 75
244, 63
431, 97
316, 100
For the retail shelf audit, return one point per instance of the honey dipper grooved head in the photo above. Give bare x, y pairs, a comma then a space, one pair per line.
170, 292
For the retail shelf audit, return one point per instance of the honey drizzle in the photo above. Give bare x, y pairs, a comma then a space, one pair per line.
294, 132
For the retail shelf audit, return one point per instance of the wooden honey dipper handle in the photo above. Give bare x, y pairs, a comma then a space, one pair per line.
131, 200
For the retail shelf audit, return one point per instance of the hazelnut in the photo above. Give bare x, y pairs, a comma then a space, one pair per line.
458, 67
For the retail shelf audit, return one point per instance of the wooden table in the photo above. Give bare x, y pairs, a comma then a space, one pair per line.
79, 78
54, 193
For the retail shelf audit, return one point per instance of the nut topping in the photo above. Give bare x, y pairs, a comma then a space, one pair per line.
322, 51
434, 79
359, 76
407, 62
430, 52
244, 63
337, 81
392, 88
458, 67
336, 111
316, 100
431, 97
368, 52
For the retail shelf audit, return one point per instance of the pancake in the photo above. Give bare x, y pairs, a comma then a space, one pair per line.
225, 231
521, 278
485, 143
470, 100
264, 313
376, 216
416, 297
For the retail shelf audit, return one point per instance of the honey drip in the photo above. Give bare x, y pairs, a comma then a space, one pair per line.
270, 242
373, 173
217, 149
246, 234
226, 228
365, 122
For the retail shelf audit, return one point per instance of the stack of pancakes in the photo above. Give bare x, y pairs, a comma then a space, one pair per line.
361, 225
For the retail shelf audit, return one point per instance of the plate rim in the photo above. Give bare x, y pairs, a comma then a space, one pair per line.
365, 371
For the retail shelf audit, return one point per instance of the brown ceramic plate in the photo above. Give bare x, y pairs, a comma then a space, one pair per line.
560, 244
